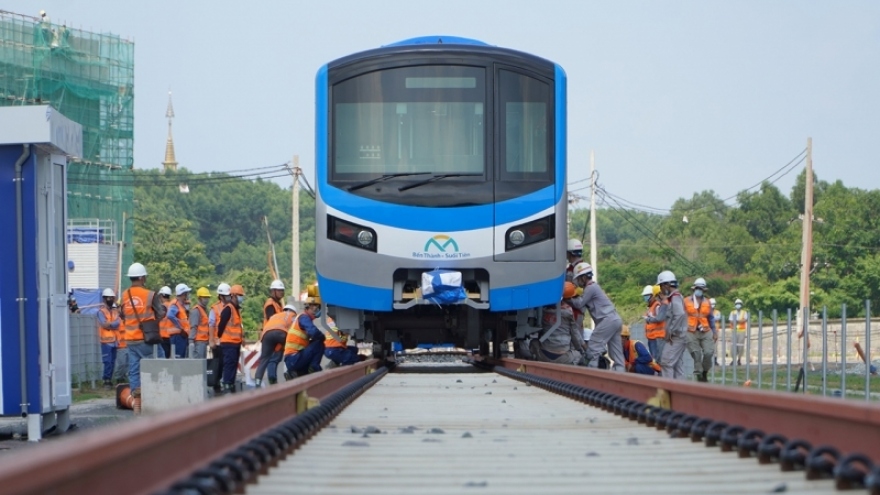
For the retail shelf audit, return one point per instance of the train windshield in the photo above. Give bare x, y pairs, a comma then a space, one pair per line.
410, 120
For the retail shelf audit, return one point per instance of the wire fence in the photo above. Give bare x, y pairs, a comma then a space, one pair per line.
85, 350
770, 354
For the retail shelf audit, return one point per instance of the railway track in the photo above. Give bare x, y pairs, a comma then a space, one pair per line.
360, 429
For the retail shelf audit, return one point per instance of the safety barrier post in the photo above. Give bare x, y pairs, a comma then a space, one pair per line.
824, 351
844, 347
775, 345
788, 329
760, 347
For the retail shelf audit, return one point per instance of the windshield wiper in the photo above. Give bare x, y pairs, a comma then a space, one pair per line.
382, 179
436, 178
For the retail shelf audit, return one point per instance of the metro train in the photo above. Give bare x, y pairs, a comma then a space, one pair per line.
440, 153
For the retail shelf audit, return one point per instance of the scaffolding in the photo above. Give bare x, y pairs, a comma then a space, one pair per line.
88, 77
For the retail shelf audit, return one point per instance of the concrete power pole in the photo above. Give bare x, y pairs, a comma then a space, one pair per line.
807, 241
294, 230
593, 248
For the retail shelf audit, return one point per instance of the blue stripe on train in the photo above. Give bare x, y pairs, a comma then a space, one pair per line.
441, 219
355, 296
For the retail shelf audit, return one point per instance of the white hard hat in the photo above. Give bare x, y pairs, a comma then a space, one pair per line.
648, 291
276, 285
712, 301
666, 277
290, 307
700, 283
583, 269
182, 289
108, 293
223, 289
738, 301
575, 245
137, 270
165, 290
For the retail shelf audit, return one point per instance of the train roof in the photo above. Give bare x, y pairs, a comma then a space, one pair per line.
450, 45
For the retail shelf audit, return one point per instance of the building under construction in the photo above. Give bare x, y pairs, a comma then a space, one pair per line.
89, 78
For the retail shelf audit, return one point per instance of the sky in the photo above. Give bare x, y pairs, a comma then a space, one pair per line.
673, 97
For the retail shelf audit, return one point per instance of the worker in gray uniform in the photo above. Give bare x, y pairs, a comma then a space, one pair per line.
560, 341
606, 322
672, 358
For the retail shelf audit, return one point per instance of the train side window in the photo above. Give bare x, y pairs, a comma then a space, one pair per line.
525, 120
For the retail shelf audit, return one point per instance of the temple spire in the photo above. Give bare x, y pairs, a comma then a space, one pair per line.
170, 162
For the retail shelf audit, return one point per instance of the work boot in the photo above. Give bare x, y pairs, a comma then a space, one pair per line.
705, 377
288, 376
108, 385
258, 382
273, 381
697, 376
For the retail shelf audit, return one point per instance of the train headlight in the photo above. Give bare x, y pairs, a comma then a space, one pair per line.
365, 238
358, 236
530, 233
516, 237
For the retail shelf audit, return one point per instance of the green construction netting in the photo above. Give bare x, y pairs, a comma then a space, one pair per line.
88, 77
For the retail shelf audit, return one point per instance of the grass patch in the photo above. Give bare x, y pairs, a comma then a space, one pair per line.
855, 384
86, 394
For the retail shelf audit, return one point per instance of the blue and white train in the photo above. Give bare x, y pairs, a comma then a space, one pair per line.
440, 152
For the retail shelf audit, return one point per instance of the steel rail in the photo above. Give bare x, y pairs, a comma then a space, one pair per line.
149, 454
850, 426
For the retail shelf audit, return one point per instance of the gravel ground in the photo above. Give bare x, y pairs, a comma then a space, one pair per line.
85, 415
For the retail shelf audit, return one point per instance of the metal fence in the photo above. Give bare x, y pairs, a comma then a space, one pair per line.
85, 350
773, 355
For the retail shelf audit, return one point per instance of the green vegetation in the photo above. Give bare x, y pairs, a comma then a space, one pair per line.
749, 251
855, 384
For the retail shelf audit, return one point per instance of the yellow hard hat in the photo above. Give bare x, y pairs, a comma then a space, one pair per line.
313, 300
656, 289
624, 332
203, 292
312, 290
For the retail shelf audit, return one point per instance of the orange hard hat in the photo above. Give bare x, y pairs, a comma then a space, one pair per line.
568, 290
236, 290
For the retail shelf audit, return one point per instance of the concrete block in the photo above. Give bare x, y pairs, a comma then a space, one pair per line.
170, 384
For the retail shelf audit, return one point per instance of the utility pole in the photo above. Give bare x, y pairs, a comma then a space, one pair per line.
807, 241
294, 230
593, 249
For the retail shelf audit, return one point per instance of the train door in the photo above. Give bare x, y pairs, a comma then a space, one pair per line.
524, 179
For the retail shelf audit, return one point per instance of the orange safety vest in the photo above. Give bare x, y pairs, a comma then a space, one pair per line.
342, 343
137, 303
165, 324
655, 330
630, 355
217, 308
697, 315
271, 302
278, 321
742, 319
203, 331
107, 335
297, 338
182, 317
233, 333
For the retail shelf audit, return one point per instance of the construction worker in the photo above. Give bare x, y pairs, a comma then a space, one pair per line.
231, 334
199, 324
701, 336
606, 322
138, 305
655, 321
716, 314
671, 361
636, 357
336, 346
120, 374
304, 345
272, 337
274, 303
574, 255
108, 333
216, 363
178, 316
738, 322
560, 341
164, 324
